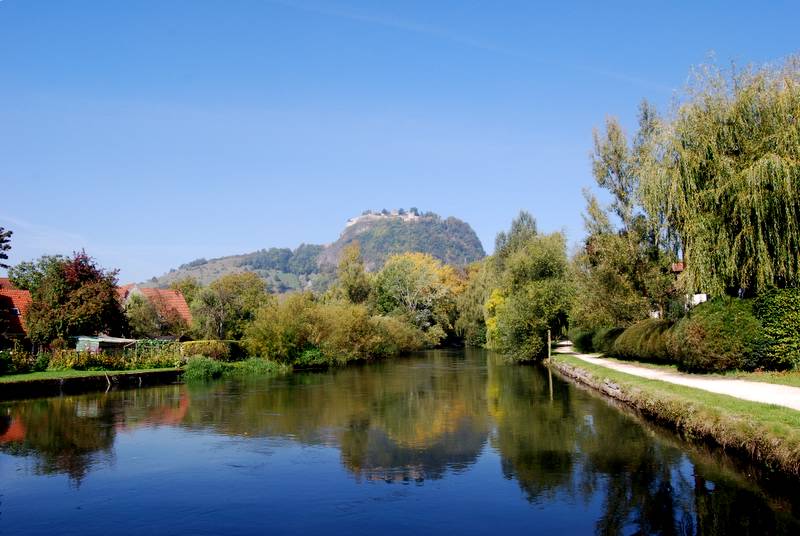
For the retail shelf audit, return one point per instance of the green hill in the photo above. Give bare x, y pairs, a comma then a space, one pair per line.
450, 240
309, 266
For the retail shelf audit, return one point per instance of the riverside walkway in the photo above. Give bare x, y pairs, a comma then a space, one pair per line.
767, 393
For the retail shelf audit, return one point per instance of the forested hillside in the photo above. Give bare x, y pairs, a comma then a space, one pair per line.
311, 266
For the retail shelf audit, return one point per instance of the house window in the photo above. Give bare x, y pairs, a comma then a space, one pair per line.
15, 311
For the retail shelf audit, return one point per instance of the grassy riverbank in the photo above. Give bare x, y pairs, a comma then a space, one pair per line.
55, 382
69, 373
197, 368
769, 435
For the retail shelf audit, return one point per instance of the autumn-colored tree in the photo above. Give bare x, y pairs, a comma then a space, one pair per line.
420, 288
73, 297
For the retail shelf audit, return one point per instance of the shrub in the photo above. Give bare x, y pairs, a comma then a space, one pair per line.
203, 368
644, 341
151, 353
145, 354
779, 313
581, 339
219, 350
42, 362
311, 358
256, 366
603, 339
72, 359
6, 366
282, 331
396, 336
343, 332
722, 334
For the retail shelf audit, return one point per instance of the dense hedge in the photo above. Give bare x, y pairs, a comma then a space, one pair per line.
215, 349
779, 313
644, 341
594, 340
581, 339
722, 334
719, 335
603, 339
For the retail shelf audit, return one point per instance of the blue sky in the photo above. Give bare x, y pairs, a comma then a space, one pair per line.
151, 133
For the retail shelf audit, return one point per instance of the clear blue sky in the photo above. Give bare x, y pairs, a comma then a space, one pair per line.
151, 133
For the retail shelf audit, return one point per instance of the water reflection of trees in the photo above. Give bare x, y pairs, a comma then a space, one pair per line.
578, 445
418, 419
391, 421
69, 435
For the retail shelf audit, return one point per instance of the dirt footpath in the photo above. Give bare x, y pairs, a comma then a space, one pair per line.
767, 393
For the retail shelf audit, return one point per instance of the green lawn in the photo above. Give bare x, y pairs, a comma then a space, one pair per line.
784, 421
59, 374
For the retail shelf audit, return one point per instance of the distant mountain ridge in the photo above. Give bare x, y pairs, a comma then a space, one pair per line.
310, 266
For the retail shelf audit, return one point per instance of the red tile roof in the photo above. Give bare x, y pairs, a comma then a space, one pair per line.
123, 291
5, 284
14, 299
168, 299
677, 267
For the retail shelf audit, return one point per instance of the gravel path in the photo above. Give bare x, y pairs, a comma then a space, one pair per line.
768, 393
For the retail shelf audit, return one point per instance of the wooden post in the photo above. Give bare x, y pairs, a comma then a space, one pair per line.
549, 372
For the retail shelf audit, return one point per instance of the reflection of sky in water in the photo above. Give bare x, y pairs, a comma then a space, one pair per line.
443, 444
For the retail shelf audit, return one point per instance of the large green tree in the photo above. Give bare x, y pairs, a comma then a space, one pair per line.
725, 172
532, 298
29, 275
223, 309
623, 271
70, 297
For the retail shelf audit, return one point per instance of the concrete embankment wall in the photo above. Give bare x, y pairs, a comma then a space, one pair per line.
747, 439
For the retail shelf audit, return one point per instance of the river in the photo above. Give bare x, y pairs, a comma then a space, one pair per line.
447, 441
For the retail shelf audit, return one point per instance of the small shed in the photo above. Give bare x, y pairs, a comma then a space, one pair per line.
102, 343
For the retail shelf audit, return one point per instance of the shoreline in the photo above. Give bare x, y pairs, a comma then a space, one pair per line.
98, 381
741, 435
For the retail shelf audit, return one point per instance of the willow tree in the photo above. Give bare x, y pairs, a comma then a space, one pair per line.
725, 172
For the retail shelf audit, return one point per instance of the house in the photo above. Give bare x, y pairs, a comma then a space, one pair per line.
166, 301
14, 305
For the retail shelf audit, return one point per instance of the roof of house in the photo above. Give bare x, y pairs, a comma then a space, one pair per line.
14, 299
124, 290
5, 284
677, 267
169, 299
163, 298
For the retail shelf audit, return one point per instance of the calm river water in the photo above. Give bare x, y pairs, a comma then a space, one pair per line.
448, 441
